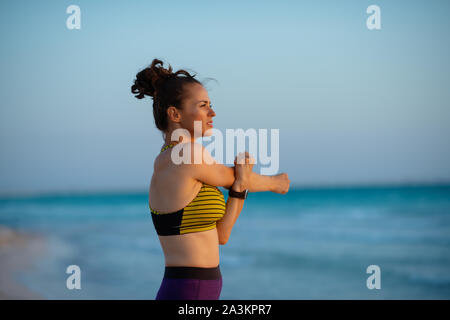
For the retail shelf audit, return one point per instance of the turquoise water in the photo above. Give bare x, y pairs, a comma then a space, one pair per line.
307, 244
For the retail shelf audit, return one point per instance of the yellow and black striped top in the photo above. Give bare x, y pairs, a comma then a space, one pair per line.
199, 215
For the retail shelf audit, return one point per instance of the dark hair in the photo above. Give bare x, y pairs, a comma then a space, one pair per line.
166, 89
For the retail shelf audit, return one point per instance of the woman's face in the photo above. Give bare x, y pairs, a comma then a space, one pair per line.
197, 107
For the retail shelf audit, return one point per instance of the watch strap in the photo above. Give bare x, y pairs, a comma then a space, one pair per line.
239, 195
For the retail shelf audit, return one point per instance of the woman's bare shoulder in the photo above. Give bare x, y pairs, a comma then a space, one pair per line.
166, 171
171, 188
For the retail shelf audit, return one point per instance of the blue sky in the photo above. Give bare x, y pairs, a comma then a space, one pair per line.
353, 106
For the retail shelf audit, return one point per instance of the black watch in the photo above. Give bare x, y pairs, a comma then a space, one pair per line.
239, 195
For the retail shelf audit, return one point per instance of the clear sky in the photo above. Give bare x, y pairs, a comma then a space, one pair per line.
354, 106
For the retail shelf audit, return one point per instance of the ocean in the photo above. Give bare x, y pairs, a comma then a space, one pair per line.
314, 243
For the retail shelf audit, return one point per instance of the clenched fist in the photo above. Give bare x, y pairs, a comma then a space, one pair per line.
281, 183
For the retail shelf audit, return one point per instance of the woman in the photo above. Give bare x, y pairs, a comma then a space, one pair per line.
188, 210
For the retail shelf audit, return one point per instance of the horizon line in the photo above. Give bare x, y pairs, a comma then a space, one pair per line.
296, 186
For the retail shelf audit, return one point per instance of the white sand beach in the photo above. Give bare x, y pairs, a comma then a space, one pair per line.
17, 253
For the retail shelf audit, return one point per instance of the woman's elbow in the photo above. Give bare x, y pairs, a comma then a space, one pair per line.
223, 239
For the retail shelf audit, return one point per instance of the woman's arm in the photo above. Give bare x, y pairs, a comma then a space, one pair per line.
219, 175
232, 212
240, 177
235, 205
278, 183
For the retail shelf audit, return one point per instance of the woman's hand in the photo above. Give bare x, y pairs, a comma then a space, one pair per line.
281, 183
243, 166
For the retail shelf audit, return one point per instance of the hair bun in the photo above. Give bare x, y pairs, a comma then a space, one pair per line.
149, 81
166, 88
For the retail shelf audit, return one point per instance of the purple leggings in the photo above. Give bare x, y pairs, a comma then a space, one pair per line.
190, 283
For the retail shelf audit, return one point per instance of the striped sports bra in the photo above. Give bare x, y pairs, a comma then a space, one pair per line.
199, 215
